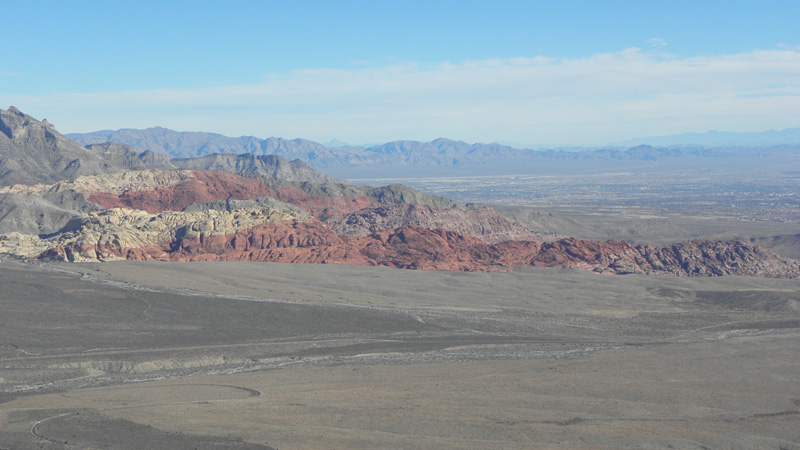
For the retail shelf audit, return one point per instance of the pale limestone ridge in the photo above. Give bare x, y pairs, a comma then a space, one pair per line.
118, 182
126, 181
120, 228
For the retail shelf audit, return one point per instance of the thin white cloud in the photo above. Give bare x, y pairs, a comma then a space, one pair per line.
588, 101
657, 42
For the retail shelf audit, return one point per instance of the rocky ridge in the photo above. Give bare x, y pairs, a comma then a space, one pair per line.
126, 181
264, 234
33, 151
269, 233
690, 258
121, 155
266, 165
483, 223
347, 209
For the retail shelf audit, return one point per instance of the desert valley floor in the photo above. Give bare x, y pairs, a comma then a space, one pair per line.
134, 355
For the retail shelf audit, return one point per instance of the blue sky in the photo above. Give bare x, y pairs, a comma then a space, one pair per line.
529, 73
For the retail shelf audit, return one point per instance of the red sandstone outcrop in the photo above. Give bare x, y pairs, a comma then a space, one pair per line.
306, 242
198, 188
414, 247
155, 191
279, 236
322, 206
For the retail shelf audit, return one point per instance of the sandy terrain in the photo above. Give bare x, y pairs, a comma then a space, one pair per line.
257, 356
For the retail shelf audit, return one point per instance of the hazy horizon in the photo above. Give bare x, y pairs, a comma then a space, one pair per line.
521, 73
335, 143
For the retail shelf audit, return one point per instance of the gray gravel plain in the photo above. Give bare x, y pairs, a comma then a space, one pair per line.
258, 355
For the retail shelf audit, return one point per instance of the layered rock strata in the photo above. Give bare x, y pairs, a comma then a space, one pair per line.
120, 233
266, 234
348, 210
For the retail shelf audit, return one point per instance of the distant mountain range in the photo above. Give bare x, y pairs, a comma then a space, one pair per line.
789, 136
410, 158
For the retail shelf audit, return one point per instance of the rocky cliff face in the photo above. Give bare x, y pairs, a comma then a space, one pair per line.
155, 191
348, 210
32, 151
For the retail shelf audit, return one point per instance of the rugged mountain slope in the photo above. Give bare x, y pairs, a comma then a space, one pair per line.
32, 151
35, 152
691, 258
133, 234
40, 213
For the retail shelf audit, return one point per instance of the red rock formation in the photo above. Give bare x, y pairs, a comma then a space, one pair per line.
414, 247
582, 254
321, 206
405, 236
202, 187
312, 242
